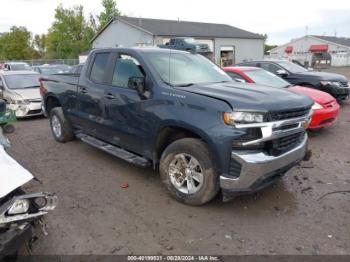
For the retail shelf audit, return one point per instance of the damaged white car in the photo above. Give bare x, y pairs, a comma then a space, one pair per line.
20, 213
20, 89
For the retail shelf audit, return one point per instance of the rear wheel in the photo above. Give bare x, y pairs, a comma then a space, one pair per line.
188, 173
61, 129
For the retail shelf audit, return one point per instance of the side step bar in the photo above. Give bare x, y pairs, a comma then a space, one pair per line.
114, 150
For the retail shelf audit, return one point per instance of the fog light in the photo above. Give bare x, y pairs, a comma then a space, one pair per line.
20, 206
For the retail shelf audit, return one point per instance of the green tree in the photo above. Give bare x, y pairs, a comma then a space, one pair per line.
110, 11
70, 33
39, 42
16, 44
267, 48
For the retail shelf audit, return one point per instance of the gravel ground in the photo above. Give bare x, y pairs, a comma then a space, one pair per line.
96, 216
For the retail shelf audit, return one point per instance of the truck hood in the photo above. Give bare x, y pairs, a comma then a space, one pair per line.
12, 174
28, 94
316, 95
321, 76
254, 98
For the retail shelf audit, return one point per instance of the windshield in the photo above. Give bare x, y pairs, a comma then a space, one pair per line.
266, 78
22, 81
185, 69
291, 67
19, 67
190, 40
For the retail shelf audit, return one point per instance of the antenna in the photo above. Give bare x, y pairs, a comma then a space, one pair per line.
178, 19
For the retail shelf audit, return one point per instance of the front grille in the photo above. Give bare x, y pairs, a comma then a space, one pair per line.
283, 144
38, 100
34, 112
282, 115
344, 84
235, 169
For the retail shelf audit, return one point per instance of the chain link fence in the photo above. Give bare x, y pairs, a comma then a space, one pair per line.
38, 62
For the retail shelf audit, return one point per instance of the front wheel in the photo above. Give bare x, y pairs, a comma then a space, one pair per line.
188, 172
61, 129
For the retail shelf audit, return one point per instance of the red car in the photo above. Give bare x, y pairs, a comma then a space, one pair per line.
326, 108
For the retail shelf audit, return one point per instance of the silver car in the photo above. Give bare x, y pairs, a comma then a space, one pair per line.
20, 89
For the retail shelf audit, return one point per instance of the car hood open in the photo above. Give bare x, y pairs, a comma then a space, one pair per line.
257, 97
12, 174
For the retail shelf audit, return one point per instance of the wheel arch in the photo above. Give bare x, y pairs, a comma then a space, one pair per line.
172, 132
51, 102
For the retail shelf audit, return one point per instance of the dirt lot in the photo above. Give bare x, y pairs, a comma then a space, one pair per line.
96, 216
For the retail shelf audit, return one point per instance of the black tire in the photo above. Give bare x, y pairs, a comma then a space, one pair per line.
66, 133
199, 150
8, 129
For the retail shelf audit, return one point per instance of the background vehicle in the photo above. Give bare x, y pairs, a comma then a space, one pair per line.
183, 114
325, 109
76, 69
20, 213
16, 66
334, 84
187, 44
20, 89
51, 69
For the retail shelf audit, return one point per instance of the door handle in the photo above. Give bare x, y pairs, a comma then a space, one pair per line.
83, 90
109, 96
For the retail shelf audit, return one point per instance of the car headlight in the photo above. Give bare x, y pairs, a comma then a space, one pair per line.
238, 117
22, 102
316, 106
330, 83
20, 206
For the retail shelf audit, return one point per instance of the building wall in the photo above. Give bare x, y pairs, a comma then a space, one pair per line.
122, 34
245, 49
340, 55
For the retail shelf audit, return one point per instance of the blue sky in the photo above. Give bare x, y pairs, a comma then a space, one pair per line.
281, 20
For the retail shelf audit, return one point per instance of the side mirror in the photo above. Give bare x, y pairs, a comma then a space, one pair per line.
137, 83
282, 72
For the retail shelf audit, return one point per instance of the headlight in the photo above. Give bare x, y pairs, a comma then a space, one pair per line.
330, 83
20, 206
243, 118
22, 102
316, 106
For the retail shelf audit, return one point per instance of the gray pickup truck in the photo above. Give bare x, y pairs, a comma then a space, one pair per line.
180, 113
187, 44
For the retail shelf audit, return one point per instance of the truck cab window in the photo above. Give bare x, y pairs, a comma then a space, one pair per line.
99, 67
126, 67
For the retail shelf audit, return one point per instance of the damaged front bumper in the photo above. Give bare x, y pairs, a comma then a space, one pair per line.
256, 169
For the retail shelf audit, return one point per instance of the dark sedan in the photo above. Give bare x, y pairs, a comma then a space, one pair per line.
334, 84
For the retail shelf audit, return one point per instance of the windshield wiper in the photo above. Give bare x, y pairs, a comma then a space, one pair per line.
184, 85
31, 86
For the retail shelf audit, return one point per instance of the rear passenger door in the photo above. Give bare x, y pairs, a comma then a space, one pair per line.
91, 90
125, 118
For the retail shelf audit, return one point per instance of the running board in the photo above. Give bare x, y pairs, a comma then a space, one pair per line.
114, 150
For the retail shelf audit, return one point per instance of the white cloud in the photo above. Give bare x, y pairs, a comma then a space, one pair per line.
273, 17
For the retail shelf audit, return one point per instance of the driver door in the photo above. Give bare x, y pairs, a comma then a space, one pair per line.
125, 119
